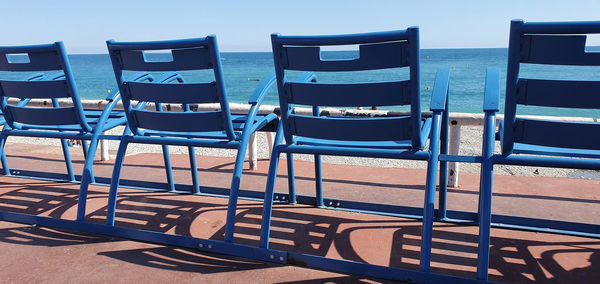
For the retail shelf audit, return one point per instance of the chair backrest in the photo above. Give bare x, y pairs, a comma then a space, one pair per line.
384, 51
550, 44
187, 55
59, 83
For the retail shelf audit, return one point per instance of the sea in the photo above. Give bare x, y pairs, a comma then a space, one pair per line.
243, 70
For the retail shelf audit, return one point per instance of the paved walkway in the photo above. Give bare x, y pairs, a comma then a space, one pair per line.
36, 254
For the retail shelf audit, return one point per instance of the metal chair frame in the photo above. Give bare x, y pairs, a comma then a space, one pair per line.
56, 81
216, 129
398, 138
543, 143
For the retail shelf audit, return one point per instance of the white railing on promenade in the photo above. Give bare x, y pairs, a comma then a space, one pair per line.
457, 121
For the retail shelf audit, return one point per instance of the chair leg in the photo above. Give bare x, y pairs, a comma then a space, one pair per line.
86, 151
168, 167
485, 197
291, 178
443, 188
235, 188
114, 183
86, 178
318, 181
269, 192
428, 214
4, 161
194, 169
485, 218
429, 204
5, 166
84, 148
68, 163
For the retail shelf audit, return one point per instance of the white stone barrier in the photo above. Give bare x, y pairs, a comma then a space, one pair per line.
457, 120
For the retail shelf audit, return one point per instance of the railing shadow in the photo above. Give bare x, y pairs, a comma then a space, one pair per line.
47, 237
47, 198
185, 260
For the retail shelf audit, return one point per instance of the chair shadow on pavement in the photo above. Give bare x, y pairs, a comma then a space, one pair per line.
351, 236
381, 240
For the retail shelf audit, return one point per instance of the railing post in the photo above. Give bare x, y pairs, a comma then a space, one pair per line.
270, 142
252, 153
453, 167
104, 154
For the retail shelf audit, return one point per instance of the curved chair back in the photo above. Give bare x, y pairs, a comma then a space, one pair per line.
187, 55
60, 84
377, 51
550, 44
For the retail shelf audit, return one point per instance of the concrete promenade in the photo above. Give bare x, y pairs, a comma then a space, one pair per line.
39, 254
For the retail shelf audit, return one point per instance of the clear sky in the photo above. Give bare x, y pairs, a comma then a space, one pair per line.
85, 25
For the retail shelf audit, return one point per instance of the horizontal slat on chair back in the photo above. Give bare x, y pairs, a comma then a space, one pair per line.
551, 43
179, 121
559, 93
354, 129
35, 89
350, 95
43, 116
41, 58
172, 93
558, 134
183, 59
372, 56
558, 50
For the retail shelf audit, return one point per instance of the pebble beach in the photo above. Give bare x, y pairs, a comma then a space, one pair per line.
470, 145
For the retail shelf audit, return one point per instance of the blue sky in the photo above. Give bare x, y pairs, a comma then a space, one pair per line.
84, 26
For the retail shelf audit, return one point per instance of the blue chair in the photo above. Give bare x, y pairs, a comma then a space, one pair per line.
216, 129
385, 137
536, 142
55, 121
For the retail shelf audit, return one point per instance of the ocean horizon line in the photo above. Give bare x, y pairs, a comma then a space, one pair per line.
422, 49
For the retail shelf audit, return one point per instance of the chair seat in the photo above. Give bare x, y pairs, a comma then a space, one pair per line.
520, 148
402, 144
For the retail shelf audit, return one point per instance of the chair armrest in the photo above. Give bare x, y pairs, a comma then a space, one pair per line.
35, 77
138, 77
170, 77
307, 77
491, 95
440, 90
56, 76
262, 89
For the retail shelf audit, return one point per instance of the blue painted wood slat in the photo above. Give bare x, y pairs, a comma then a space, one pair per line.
353, 129
557, 50
183, 59
42, 115
559, 93
185, 93
35, 89
45, 60
371, 57
578, 135
350, 95
179, 121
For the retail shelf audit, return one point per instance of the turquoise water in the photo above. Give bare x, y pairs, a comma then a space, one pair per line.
94, 76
